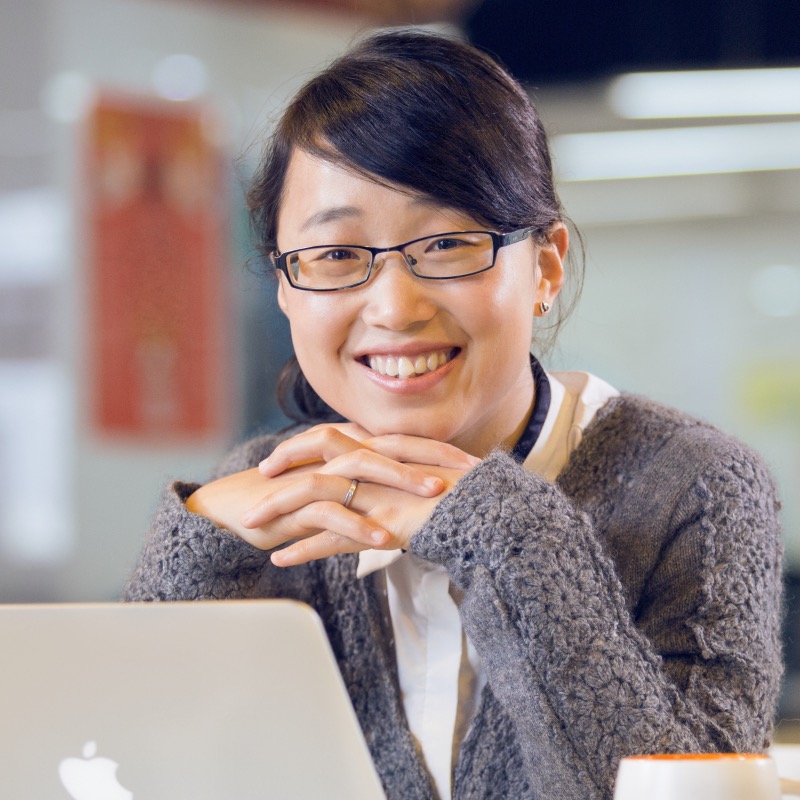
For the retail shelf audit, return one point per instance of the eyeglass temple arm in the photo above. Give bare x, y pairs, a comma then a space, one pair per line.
515, 236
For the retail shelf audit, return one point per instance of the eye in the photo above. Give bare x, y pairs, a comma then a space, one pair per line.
446, 243
338, 254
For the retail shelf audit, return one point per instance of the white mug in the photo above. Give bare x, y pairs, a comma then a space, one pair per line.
698, 776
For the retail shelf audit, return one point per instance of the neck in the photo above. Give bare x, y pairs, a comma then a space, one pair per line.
505, 430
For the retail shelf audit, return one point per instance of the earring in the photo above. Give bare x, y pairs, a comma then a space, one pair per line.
544, 307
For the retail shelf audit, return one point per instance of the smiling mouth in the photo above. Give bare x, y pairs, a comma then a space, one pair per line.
410, 366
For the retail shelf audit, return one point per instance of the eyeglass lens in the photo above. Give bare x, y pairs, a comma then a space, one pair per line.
444, 256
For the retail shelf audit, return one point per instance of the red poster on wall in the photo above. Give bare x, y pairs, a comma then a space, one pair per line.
157, 294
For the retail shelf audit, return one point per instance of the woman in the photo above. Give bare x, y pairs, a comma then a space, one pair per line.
524, 576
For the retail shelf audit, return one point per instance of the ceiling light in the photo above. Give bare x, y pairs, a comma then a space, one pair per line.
711, 93
677, 151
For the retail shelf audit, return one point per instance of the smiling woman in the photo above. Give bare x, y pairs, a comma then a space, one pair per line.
472, 399
526, 576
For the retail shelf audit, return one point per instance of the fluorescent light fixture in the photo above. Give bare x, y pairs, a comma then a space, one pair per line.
707, 93
677, 151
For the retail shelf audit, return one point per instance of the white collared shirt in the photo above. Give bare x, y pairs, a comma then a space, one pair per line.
439, 670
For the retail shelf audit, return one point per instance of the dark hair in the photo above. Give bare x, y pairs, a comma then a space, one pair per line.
421, 111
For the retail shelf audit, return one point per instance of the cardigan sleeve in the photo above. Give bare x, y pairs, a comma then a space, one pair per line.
684, 657
187, 557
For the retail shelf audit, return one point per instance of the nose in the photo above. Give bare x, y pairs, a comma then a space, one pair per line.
395, 298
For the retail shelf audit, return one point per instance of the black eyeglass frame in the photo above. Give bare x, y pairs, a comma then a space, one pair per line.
498, 240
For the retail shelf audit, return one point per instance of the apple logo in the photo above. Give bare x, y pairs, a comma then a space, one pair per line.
92, 778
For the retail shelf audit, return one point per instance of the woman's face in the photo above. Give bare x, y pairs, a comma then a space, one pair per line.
479, 326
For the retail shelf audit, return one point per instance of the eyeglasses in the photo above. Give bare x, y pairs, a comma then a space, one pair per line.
331, 267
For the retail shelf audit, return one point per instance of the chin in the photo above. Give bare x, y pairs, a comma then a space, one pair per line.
426, 429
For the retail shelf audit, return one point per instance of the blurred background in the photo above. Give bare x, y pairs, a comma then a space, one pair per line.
136, 344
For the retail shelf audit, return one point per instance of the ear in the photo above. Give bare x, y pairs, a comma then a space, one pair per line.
282, 304
550, 266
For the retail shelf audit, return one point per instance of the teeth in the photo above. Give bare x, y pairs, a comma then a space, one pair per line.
404, 367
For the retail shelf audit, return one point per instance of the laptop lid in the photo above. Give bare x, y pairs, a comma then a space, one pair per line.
164, 701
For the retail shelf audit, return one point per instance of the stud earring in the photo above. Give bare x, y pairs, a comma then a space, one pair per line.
544, 307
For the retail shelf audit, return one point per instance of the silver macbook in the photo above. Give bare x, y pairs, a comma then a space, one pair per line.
231, 700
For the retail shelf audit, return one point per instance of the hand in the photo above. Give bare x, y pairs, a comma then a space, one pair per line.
326, 442
298, 492
380, 516
392, 501
225, 500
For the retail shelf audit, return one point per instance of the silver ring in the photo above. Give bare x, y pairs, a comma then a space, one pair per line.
348, 498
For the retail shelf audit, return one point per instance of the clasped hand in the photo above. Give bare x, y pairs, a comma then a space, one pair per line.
297, 494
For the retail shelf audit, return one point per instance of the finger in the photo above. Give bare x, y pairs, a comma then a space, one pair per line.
309, 521
312, 503
350, 527
418, 449
323, 545
321, 443
370, 467
310, 487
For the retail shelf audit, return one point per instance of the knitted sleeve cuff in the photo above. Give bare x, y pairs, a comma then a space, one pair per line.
493, 512
186, 556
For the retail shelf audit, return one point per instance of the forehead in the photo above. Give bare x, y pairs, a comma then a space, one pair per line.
313, 182
320, 195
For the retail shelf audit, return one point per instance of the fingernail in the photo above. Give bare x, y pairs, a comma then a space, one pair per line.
433, 483
247, 518
378, 537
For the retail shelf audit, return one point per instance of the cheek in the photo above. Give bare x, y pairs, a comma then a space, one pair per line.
318, 330
507, 303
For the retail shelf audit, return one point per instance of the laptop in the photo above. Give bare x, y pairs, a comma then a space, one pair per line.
232, 700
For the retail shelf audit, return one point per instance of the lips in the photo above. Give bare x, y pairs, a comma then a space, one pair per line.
401, 366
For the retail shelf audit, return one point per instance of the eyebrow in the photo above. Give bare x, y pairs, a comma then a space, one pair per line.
335, 213
330, 215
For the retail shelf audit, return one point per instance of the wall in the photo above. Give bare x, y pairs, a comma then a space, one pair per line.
76, 503
683, 301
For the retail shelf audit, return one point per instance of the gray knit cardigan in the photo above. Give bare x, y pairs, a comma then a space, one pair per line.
631, 607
